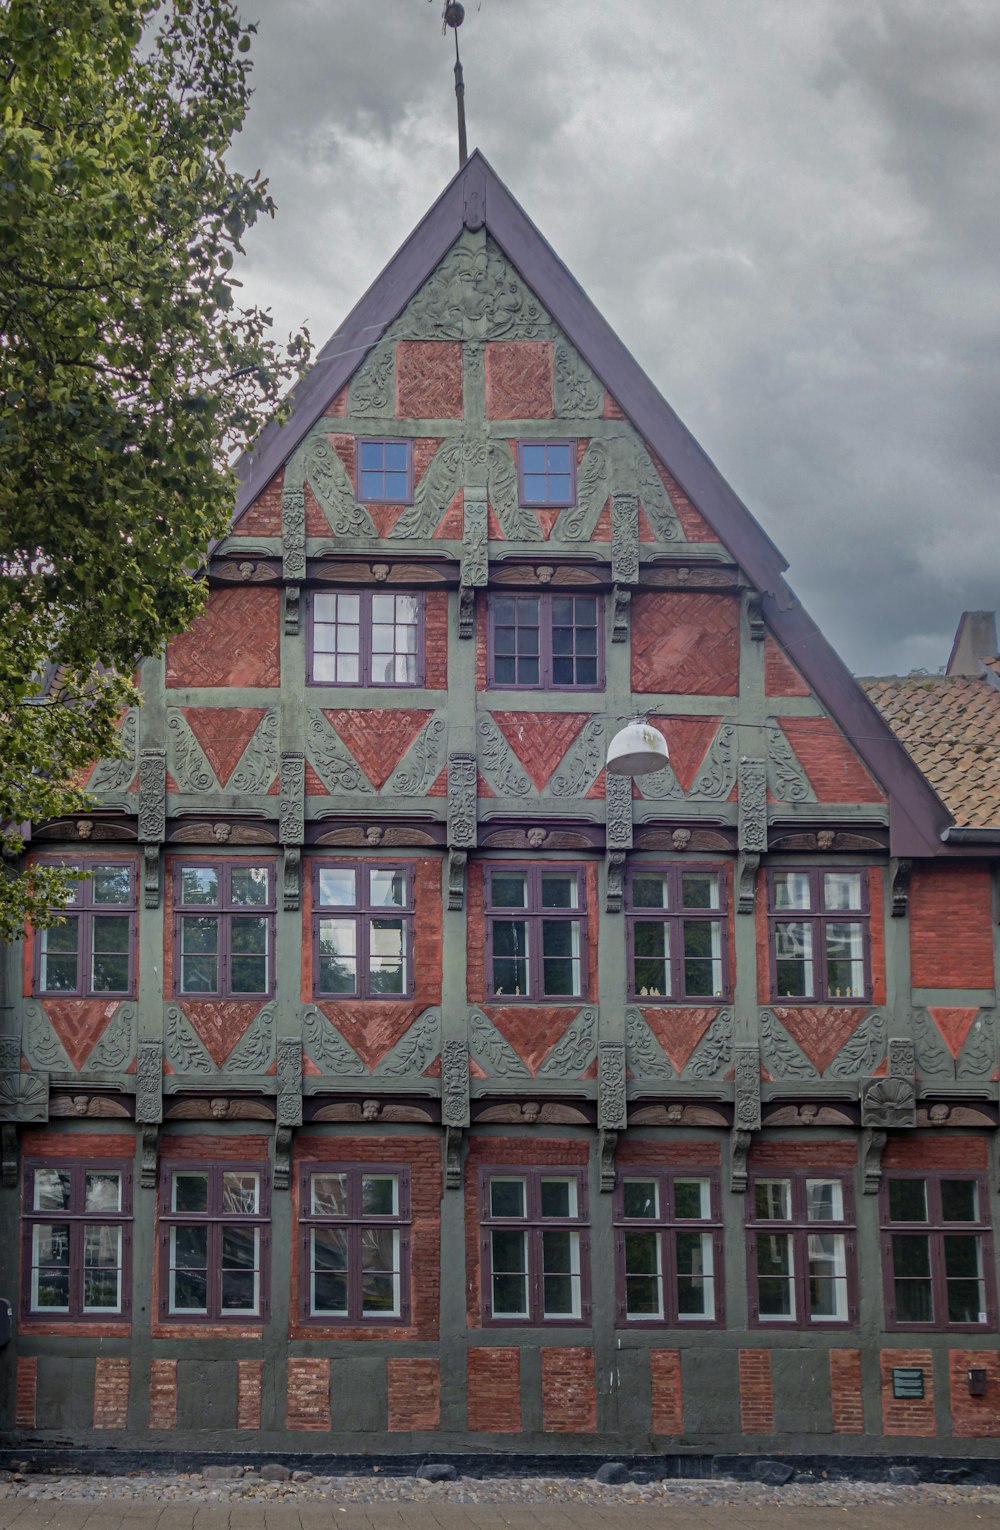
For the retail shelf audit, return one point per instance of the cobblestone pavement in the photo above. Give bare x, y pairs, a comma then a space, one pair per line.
246, 1500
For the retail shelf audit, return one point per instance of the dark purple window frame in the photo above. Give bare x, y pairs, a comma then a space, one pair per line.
365, 640
216, 1220
676, 916
818, 918
555, 502
545, 599
799, 1228
87, 914
355, 1222
368, 499
666, 1226
362, 912
533, 914
223, 911
533, 1225
77, 1219
935, 1229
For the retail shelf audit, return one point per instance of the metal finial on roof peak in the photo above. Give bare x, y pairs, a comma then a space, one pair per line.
452, 16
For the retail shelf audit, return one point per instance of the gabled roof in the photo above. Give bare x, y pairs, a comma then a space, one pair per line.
476, 198
950, 725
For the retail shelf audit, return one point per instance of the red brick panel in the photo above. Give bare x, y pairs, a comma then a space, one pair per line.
974, 1416
414, 1394
845, 1391
685, 645
163, 1394
429, 380
493, 1390
756, 1392
519, 380
908, 1415
835, 772
666, 1391
821, 1030
951, 927
309, 1394
540, 739
377, 737
804, 1155
436, 639
111, 1383
569, 1394
223, 734
679, 1030
234, 641
876, 932
220, 1024
262, 518
80, 1024
781, 678
940, 1151
688, 741
954, 1024
634, 1150
25, 1392
249, 1392
694, 525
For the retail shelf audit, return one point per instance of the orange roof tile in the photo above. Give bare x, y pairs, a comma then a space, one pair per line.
950, 725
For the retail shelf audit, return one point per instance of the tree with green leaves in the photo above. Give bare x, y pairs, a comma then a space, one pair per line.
129, 372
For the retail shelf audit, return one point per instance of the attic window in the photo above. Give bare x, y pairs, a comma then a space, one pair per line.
546, 473
385, 472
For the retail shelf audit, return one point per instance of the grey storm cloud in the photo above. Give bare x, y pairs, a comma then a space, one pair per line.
788, 212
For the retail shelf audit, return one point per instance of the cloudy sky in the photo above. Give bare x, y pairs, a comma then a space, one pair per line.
788, 209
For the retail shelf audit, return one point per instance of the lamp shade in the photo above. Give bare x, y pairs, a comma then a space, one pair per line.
637, 750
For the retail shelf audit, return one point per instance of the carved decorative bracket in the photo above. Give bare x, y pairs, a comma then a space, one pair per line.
739, 1147
611, 1111
292, 809
618, 811
622, 610
289, 1081
466, 612
8, 1156
747, 1088
624, 538
607, 1142
889, 1102
152, 795
462, 825
455, 1082
614, 881
453, 1157
290, 879
456, 878
292, 602
755, 618
149, 1083
872, 1146
150, 876
150, 1150
746, 882
282, 1158
901, 872
753, 806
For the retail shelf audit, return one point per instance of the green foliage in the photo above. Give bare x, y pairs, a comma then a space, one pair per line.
129, 372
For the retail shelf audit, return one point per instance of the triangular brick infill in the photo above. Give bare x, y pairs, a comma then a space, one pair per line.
372, 1029
531, 1030
451, 527
540, 739
377, 739
820, 1032
80, 1024
223, 734
954, 1026
688, 741
679, 1031
221, 1024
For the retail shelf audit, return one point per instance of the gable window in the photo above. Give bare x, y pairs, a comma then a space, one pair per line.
355, 1243
91, 951
214, 1237
77, 1239
534, 1246
676, 933
363, 930
384, 471
365, 637
819, 936
668, 1246
546, 472
546, 642
224, 929
801, 1256
535, 932
936, 1251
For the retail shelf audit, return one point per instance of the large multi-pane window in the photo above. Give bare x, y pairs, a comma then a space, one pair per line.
214, 1240
354, 1228
819, 935
801, 1250
668, 1243
534, 1246
90, 952
546, 472
363, 930
546, 642
936, 1249
366, 637
676, 933
535, 932
384, 471
224, 929
77, 1239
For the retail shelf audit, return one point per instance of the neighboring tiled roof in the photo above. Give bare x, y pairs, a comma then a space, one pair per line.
951, 726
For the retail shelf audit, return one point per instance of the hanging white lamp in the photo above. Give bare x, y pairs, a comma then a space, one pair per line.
637, 750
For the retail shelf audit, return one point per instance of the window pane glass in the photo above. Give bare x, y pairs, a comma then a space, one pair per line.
561, 1273
911, 1278
650, 953
111, 934
963, 1273
337, 955
112, 884
380, 1293
649, 891
828, 1277
388, 889
58, 965
695, 1278
959, 1201
824, 1200
52, 1189
794, 964
841, 889
692, 1198
329, 1272
188, 1269
911, 1254
328, 1194
330, 1249
643, 1283
510, 958
189, 1192
250, 885
560, 890
508, 890
380, 1195
102, 1191
61, 939
640, 1198
773, 1200
845, 968
775, 1291
561, 956
386, 966
240, 1247
507, 1197
907, 1200
50, 1268
700, 889
240, 1193
791, 889
199, 884
558, 1197
510, 1295
702, 958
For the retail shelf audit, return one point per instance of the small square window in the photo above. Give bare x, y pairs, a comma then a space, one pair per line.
224, 930
534, 1246
668, 1241
676, 933
384, 471
366, 637
77, 1241
546, 642
355, 1243
535, 932
363, 931
215, 1239
819, 935
937, 1251
90, 953
547, 472
801, 1235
